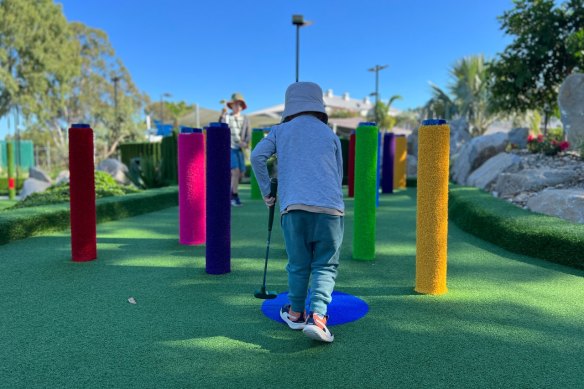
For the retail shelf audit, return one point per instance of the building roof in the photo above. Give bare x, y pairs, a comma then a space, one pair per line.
332, 103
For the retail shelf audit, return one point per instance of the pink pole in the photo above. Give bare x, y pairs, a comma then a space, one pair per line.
191, 186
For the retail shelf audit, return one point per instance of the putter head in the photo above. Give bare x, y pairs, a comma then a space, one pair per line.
265, 295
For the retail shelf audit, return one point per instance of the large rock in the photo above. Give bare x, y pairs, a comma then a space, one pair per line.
32, 185
532, 180
518, 137
486, 175
564, 203
116, 169
39, 174
62, 177
571, 101
459, 135
474, 153
412, 166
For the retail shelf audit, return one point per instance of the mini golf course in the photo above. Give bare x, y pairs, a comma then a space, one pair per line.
506, 321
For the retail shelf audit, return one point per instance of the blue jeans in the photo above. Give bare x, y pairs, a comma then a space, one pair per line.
313, 243
237, 160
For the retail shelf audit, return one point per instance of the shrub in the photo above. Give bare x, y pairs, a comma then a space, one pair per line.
22, 223
105, 186
516, 229
548, 145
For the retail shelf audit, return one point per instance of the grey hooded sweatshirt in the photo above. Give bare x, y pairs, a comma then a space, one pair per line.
310, 162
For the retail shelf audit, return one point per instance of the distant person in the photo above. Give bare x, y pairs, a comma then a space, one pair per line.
240, 140
310, 175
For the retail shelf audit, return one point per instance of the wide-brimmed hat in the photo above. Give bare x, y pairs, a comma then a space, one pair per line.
303, 97
237, 97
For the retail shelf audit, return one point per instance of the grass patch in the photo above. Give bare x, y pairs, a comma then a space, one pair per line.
516, 229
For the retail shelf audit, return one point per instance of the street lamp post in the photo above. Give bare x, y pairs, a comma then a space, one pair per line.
116, 79
376, 69
162, 96
298, 21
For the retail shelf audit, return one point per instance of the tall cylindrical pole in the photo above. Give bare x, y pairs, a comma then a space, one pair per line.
218, 225
191, 186
297, 50
388, 162
82, 193
365, 186
256, 136
432, 207
378, 182
10, 163
400, 162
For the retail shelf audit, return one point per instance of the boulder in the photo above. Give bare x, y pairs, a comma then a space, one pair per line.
486, 175
38, 174
571, 101
412, 144
32, 185
63, 177
509, 184
412, 166
459, 135
474, 153
518, 137
116, 169
567, 204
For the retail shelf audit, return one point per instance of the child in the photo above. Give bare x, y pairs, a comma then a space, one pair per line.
310, 174
240, 137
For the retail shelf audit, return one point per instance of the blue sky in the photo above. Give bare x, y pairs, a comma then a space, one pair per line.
203, 51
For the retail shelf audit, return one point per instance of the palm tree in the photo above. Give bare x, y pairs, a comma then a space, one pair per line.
440, 105
470, 90
470, 95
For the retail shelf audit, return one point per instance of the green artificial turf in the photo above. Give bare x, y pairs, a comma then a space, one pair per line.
507, 320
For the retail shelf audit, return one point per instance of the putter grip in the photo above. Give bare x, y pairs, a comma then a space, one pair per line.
273, 193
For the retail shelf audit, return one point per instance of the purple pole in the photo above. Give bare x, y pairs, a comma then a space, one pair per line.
388, 158
218, 201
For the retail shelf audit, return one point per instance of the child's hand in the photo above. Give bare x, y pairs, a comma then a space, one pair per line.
270, 201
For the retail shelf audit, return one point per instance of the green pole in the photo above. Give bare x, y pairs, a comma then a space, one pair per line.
256, 136
10, 162
366, 148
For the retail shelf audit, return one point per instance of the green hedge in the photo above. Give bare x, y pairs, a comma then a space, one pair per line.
25, 222
516, 229
4, 184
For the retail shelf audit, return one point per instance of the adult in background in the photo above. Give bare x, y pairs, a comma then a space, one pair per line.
240, 140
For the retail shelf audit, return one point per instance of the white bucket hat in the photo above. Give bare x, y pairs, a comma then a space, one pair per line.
303, 97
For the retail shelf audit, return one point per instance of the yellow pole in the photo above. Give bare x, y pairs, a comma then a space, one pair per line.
432, 207
400, 162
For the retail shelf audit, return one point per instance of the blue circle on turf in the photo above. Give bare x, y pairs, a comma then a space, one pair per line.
344, 308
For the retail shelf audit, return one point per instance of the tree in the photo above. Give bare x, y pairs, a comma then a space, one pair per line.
440, 105
527, 75
104, 94
91, 96
38, 58
382, 113
177, 110
471, 93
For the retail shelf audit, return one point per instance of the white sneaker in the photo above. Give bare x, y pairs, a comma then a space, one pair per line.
316, 328
295, 320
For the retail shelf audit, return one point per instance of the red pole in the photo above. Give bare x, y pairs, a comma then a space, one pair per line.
82, 193
351, 179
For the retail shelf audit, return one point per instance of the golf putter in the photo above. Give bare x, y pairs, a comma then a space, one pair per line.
262, 293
